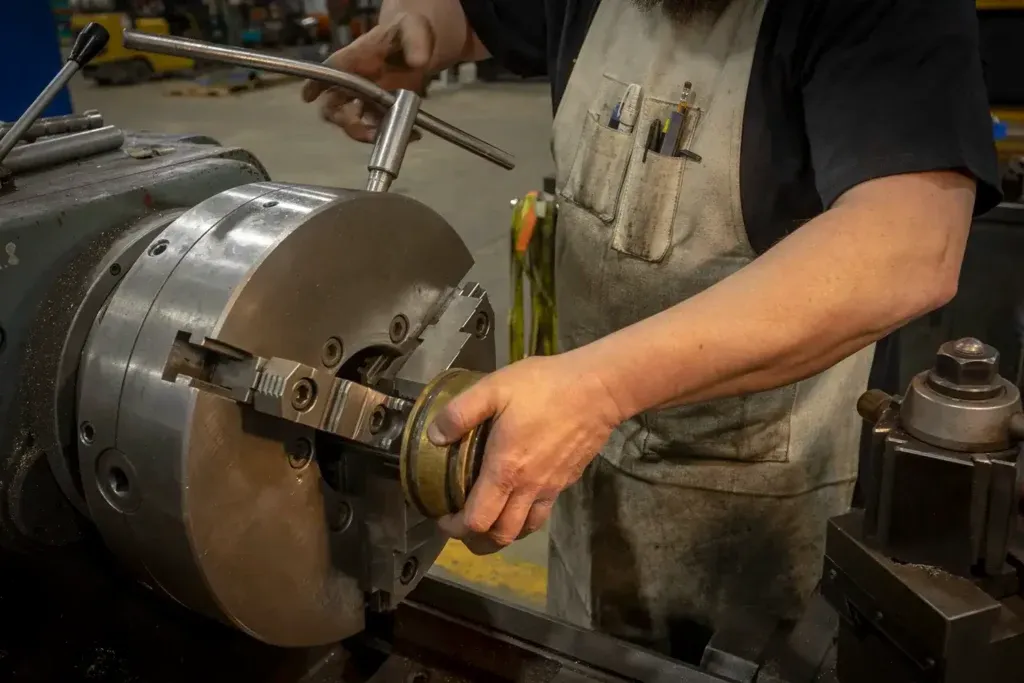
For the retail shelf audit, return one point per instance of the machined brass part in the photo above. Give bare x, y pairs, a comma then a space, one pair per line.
437, 479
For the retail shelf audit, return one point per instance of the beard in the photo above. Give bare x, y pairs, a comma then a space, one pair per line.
684, 9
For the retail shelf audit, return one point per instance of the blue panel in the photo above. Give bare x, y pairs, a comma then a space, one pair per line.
29, 57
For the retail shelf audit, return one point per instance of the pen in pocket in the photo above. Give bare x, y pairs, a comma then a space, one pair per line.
629, 108
652, 137
614, 122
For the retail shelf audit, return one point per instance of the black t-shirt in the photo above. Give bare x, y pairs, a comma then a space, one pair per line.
842, 91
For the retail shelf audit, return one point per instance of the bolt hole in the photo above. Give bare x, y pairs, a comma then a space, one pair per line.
300, 453
409, 570
418, 677
269, 205
399, 328
378, 419
482, 324
117, 482
87, 432
342, 519
115, 269
158, 248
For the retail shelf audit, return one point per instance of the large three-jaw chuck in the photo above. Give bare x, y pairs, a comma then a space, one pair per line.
243, 396
250, 382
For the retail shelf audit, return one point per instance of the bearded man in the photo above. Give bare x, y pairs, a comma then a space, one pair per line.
720, 284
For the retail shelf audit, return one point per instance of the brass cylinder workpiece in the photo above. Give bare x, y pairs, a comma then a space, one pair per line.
437, 479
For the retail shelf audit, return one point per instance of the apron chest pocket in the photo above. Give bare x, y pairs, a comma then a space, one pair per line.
598, 169
645, 227
650, 197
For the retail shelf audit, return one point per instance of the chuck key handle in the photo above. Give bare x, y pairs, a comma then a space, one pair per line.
403, 110
90, 42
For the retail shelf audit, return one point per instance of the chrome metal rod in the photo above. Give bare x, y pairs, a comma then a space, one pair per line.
58, 125
46, 153
35, 110
392, 141
363, 88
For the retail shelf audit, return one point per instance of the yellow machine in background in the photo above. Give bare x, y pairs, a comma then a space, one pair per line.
119, 65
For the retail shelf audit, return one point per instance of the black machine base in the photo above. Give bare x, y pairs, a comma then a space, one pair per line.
75, 619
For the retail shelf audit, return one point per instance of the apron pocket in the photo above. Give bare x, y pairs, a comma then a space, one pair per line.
750, 428
598, 169
644, 228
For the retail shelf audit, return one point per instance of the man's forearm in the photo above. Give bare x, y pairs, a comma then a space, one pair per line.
454, 40
849, 277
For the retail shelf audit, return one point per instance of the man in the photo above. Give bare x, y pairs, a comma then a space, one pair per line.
718, 298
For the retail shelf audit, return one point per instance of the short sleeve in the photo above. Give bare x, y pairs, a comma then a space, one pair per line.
513, 31
896, 86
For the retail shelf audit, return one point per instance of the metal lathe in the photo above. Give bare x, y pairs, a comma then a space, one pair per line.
214, 391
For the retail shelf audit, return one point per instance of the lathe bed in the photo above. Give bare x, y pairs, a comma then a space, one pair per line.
83, 622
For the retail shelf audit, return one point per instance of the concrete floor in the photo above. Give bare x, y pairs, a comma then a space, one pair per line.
295, 145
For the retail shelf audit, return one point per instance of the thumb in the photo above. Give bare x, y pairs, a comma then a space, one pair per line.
467, 410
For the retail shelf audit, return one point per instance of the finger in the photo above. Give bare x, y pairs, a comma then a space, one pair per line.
343, 60
512, 519
464, 412
417, 43
490, 494
453, 526
540, 512
312, 90
481, 545
353, 119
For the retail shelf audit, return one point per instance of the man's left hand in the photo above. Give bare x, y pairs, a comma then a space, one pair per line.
551, 417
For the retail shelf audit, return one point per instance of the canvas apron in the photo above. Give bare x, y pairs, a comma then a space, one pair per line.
698, 513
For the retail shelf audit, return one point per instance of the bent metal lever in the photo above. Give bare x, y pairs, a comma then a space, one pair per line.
402, 107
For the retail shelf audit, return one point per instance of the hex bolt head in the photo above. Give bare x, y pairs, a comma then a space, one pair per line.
967, 363
969, 347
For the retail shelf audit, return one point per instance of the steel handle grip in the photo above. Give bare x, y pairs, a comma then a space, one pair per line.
365, 89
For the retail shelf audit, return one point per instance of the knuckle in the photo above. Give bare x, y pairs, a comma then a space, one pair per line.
477, 525
502, 540
509, 474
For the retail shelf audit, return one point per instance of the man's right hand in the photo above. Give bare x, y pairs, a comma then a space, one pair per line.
395, 54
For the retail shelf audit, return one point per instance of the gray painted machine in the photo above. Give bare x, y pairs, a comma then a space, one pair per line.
230, 378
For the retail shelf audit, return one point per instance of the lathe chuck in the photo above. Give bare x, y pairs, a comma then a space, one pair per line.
271, 525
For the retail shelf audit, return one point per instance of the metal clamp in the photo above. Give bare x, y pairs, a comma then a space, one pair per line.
403, 106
